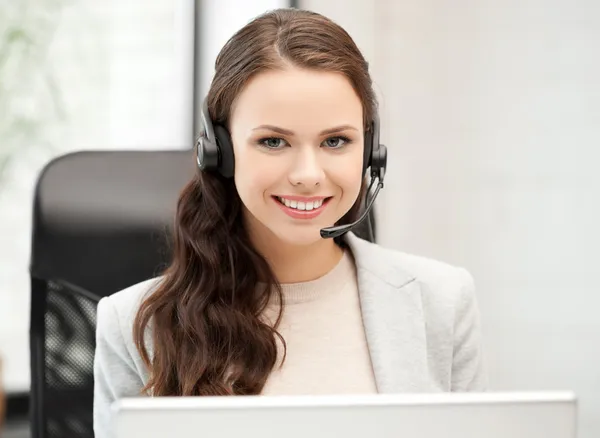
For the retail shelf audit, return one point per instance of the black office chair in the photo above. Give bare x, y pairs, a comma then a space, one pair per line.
100, 224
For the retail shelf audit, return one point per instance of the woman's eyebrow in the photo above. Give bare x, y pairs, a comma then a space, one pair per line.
291, 133
338, 129
275, 128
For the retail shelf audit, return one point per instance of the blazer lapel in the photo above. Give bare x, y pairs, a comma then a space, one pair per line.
393, 319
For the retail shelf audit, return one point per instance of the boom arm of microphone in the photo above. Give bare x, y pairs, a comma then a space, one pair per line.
336, 231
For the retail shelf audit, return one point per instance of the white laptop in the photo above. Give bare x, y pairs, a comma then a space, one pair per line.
447, 415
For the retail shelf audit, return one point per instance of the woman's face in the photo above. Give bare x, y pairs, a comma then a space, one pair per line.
298, 145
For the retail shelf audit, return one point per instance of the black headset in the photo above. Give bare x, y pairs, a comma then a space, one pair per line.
214, 153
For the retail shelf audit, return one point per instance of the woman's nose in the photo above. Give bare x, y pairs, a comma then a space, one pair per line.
307, 169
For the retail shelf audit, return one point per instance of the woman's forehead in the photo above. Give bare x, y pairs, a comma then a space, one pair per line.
297, 99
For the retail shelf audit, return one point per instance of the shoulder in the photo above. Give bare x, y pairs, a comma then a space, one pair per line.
443, 305
116, 313
447, 281
425, 269
119, 370
127, 301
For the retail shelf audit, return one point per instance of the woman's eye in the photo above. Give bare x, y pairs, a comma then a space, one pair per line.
336, 142
272, 142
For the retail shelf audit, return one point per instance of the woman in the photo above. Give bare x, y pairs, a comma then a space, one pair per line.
255, 301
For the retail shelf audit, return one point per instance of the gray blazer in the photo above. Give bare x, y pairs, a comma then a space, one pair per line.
421, 320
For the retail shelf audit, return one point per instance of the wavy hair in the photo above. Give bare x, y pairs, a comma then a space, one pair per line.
205, 322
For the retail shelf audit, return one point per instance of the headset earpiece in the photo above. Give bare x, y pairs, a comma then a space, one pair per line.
214, 149
226, 158
375, 154
379, 162
368, 149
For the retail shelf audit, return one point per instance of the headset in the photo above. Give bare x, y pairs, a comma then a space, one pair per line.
214, 153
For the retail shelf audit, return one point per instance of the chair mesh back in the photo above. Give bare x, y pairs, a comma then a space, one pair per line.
69, 324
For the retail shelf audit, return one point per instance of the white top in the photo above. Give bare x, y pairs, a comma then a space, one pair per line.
327, 351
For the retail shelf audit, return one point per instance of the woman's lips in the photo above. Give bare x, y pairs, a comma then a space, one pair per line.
298, 213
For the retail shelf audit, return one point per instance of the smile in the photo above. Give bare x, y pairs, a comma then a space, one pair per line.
302, 209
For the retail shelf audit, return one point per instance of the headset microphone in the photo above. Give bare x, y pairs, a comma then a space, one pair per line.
338, 230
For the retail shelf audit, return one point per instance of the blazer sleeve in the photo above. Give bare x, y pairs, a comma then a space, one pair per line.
115, 373
468, 368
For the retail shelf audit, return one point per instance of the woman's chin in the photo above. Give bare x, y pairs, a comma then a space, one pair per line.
299, 235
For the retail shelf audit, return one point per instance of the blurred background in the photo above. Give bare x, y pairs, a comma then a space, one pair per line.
490, 110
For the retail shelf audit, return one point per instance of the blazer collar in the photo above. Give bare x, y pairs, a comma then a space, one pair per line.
393, 318
372, 258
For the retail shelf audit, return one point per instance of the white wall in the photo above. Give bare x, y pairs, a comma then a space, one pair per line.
219, 20
491, 113
123, 69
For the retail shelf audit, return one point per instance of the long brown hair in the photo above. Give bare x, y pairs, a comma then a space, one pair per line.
205, 316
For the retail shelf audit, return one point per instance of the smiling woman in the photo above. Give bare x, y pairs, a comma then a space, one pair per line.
256, 300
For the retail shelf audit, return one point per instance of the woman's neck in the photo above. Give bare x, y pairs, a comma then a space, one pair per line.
298, 263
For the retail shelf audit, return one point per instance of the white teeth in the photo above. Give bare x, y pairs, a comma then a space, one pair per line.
307, 206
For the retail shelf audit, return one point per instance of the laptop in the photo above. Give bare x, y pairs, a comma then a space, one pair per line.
448, 415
